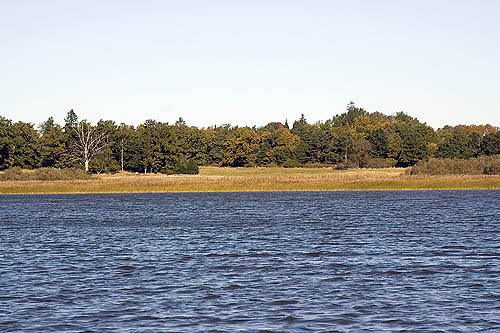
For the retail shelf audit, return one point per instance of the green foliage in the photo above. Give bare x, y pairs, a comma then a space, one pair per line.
186, 166
192, 167
241, 147
276, 146
104, 163
455, 143
355, 138
6, 144
291, 163
314, 141
379, 140
217, 136
51, 145
23, 145
348, 117
491, 144
415, 141
70, 124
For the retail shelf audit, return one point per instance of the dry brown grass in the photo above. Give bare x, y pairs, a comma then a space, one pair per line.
255, 179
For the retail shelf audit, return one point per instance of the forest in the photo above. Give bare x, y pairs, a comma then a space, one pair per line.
355, 138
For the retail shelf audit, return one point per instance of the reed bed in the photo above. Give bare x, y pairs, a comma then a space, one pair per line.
256, 179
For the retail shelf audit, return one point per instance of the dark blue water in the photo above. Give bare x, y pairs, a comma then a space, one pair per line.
303, 261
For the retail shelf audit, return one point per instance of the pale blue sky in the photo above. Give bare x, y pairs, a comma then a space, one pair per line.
249, 62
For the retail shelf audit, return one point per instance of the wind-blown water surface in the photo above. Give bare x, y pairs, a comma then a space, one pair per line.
282, 261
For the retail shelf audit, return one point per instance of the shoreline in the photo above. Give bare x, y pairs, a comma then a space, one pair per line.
231, 180
265, 191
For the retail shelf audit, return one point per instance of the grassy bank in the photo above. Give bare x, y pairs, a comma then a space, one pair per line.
213, 179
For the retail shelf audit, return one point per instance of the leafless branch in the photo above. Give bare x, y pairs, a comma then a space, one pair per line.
88, 142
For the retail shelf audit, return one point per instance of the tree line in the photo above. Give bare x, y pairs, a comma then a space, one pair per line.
355, 138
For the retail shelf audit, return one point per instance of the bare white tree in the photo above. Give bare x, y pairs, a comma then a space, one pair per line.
88, 141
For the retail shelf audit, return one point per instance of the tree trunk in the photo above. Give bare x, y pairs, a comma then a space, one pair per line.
86, 165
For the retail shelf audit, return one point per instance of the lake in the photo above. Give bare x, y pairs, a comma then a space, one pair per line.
276, 261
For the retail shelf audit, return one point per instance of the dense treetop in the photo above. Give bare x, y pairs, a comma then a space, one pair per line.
355, 138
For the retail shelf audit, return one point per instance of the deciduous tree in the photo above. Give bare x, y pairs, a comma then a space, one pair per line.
87, 142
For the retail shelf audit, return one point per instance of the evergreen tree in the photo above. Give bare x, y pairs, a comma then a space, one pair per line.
6, 144
51, 145
24, 143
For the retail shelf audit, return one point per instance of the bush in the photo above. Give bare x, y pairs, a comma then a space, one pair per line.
492, 165
291, 163
14, 173
47, 174
377, 163
346, 165
59, 174
445, 166
484, 165
185, 166
315, 165
167, 171
102, 165
192, 167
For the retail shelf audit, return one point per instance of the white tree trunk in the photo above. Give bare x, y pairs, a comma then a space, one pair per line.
88, 143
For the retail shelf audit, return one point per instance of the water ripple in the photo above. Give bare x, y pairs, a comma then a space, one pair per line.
312, 261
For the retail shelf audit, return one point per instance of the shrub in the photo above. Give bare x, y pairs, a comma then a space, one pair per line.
315, 165
192, 167
167, 171
440, 166
103, 165
47, 174
185, 166
14, 173
346, 165
484, 165
492, 165
377, 163
59, 174
291, 163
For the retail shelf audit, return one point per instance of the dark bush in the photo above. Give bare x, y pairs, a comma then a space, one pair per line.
185, 166
192, 167
103, 165
167, 171
291, 163
377, 163
346, 165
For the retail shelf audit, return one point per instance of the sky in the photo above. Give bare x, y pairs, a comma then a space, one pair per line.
249, 62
